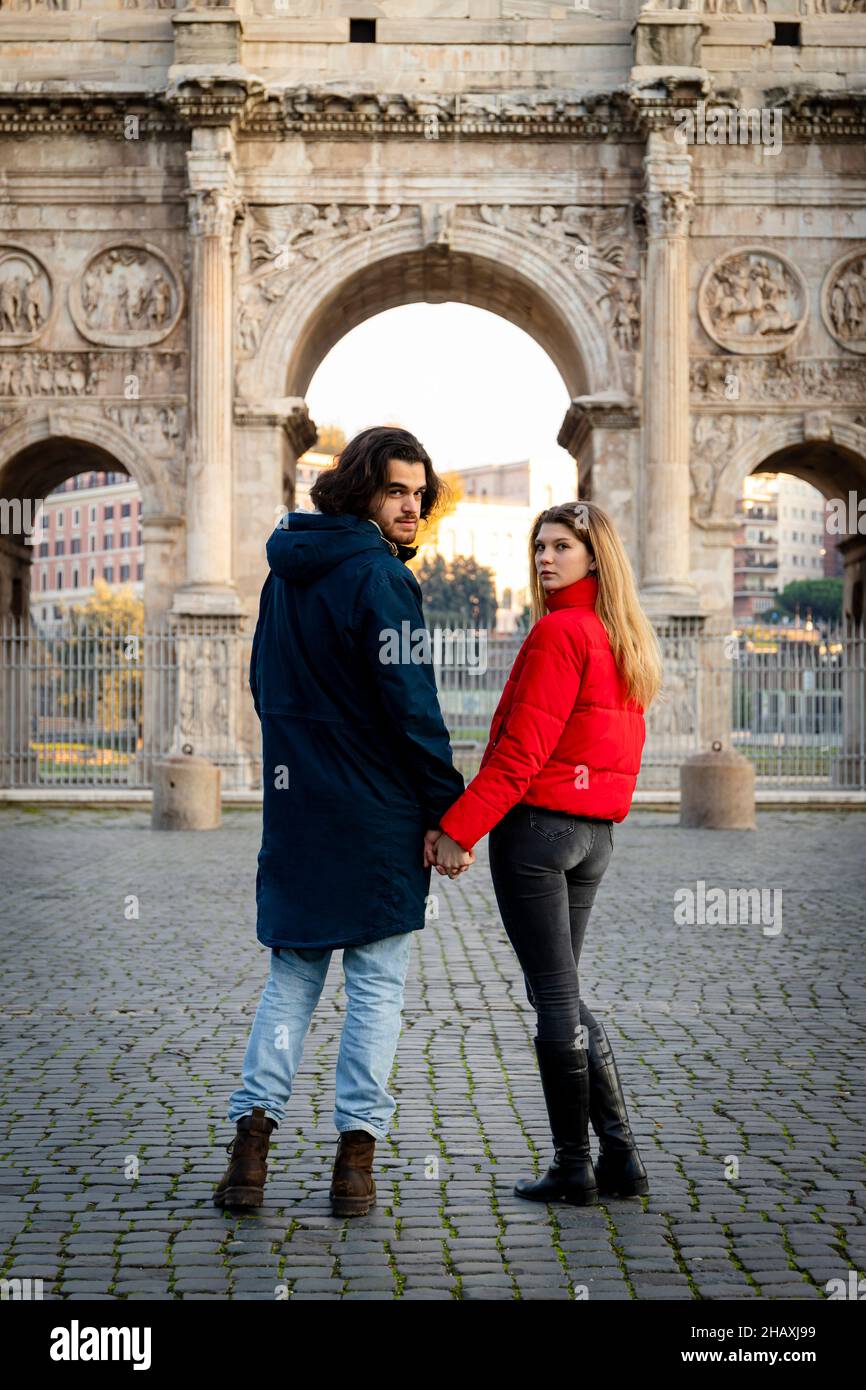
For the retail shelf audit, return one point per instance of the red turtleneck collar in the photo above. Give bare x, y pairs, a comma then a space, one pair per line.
581, 594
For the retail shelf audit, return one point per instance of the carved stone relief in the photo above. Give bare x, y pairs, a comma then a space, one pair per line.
25, 296
843, 301
281, 240
32, 373
735, 8
753, 300
596, 243
715, 440
159, 428
127, 294
781, 379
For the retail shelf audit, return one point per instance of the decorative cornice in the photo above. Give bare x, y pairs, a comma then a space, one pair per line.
230, 95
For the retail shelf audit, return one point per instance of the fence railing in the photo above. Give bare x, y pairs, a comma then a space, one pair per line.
93, 707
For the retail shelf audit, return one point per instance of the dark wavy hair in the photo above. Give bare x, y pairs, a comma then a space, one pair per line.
360, 474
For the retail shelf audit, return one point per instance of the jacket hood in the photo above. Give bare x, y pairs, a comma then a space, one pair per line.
304, 546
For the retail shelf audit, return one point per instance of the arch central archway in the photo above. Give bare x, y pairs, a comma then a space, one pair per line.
478, 265
304, 312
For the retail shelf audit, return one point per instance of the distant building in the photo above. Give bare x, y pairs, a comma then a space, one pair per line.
307, 470
780, 538
493, 519
90, 529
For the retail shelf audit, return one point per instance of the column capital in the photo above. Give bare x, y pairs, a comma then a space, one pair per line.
289, 413
214, 200
605, 411
668, 198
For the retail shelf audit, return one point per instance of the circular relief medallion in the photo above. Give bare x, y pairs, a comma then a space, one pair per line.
25, 295
843, 301
127, 294
753, 300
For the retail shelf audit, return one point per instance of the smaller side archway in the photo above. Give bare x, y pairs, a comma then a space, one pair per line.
831, 456
39, 452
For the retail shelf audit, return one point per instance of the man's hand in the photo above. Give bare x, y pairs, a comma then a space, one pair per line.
430, 838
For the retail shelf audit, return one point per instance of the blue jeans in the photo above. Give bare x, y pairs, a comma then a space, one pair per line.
374, 976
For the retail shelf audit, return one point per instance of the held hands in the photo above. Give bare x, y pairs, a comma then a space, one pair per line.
445, 855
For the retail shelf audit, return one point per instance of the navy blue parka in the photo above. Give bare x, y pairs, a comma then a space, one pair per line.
356, 758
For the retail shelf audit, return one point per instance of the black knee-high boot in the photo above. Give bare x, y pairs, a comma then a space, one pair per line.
570, 1178
619, 1170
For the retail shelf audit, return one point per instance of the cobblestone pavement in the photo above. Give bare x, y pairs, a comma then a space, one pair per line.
740, 1049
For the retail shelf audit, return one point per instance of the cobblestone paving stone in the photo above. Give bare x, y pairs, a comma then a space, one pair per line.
124, 1035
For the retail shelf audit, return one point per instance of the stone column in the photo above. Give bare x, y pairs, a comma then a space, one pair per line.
208, 647
214, 206
667, 589
600, 432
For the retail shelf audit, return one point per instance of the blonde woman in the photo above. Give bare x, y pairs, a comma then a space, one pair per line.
558, 772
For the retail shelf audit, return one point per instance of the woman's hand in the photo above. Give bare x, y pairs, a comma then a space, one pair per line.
450, 858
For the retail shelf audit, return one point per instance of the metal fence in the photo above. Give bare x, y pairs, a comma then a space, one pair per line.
93, 707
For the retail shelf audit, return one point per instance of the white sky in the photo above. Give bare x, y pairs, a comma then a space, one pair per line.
473, 388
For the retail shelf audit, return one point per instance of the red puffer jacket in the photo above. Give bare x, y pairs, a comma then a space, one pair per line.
563, 735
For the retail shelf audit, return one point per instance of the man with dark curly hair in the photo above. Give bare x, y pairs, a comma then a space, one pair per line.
357, 770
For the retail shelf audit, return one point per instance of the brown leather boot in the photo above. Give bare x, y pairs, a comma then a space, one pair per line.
243, 1182
353, 1191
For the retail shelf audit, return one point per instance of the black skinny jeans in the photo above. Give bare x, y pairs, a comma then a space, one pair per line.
546, 867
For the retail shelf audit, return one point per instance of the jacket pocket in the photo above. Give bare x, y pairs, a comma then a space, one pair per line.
552, 825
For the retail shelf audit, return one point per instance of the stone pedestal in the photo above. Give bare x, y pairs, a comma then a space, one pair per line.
717, 791
186, 794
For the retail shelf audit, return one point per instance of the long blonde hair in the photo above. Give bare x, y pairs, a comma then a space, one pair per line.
632, 637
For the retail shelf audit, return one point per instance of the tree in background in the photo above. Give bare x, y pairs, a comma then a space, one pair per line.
823, 597
428, 531
459, 592
330, 440
104, 641
106, 605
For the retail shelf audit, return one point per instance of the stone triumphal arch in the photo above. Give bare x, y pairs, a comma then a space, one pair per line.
200, 199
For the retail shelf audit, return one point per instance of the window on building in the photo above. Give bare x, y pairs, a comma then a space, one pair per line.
75, 547
108, 511
126, 509
124, 540
76, 516
45, 521
138, 537
59, 583
59, 547
139, 571
75, 577
108, 574
43, 549
92, 516
92, 573
124, 574
92, 542
108, 541
44, 581
60, 521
